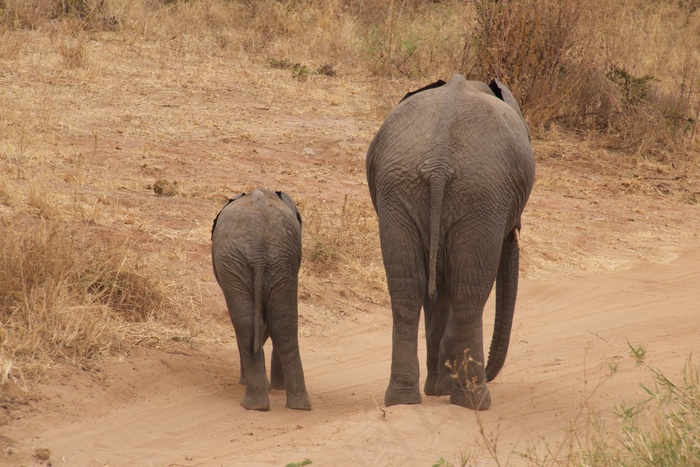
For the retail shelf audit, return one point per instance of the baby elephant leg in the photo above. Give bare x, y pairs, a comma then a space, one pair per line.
283, 326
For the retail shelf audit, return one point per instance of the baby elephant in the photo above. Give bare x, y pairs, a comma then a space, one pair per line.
256, 253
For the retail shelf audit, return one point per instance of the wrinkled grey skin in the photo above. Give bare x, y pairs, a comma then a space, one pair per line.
256, 253
449, 173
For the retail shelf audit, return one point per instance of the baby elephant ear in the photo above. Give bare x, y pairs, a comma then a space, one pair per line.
213, 226
285, 197
236, 197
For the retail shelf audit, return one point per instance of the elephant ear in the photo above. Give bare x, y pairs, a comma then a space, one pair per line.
503, 93
288, 200
434, 85
213, 226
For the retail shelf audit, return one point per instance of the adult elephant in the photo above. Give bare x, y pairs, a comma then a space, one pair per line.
449, 173
256, 254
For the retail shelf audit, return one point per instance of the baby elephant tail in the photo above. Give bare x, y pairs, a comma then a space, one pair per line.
258, 322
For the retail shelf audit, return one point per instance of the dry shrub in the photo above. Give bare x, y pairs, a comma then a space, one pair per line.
73, 52
624, 72
33, 14
571, 64
417, 39
399, 38
68, 296
12, 44
199, 19
25, 14
527, 44
299, 31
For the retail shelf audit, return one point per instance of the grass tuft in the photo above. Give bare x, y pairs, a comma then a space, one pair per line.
64, 295
342, 243
661, 430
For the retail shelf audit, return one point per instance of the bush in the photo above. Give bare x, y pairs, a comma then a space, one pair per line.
564, 75
67, 295
32, 14
527, 44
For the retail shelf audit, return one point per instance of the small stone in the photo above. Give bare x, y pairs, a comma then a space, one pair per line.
42, 454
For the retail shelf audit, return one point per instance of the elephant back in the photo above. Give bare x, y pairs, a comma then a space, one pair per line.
258, 227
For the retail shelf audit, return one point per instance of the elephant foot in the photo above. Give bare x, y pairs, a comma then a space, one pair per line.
429, 387
298, 402
475, 397
396, 395
444, 383
277, 382
256, 402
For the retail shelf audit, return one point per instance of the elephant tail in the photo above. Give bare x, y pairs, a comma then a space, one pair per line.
258, 322
437, 193
506, 291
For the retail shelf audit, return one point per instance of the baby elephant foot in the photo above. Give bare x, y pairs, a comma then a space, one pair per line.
298, 402
256, 402
475, 397
396, 395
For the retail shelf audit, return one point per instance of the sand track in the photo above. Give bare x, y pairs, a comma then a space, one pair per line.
181, 408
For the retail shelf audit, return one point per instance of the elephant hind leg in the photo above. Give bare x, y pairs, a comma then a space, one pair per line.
255, 397
287, 369
403, 383
471, 279
276, 371
253, 371
405, 270
436, 311
445, 374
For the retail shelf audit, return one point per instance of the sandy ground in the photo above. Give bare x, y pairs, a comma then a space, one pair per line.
181, 407
605, 263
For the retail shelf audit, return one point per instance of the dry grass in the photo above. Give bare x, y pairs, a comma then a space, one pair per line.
663, 429
341, 243
64, 296
612, 82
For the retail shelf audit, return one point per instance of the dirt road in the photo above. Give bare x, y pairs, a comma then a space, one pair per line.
181, 408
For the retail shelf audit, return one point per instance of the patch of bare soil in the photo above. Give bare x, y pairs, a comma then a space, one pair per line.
608, 258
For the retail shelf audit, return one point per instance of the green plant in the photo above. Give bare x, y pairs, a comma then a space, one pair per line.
300, 72
661, 430
442, 462
637, 352
282, 63
664, 429
299, 464
634, 88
